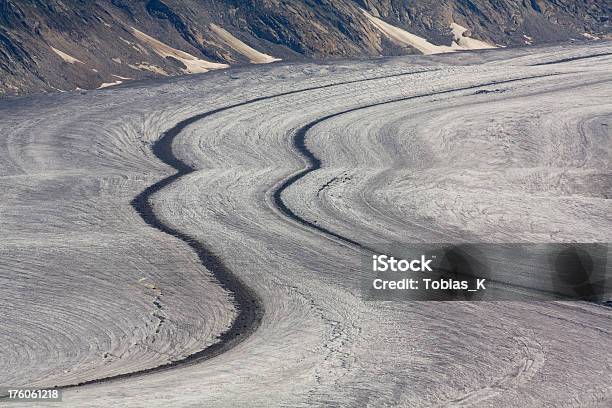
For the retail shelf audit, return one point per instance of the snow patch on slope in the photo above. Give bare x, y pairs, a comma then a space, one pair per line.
193, 64
590, 36
404, 38
68, 58
144, 66
465, 42
107, 84
252, 54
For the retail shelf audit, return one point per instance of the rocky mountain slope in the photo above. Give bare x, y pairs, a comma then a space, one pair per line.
48, 45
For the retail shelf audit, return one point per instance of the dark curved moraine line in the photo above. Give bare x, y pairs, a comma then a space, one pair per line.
603, 54
249, 306
314, 163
